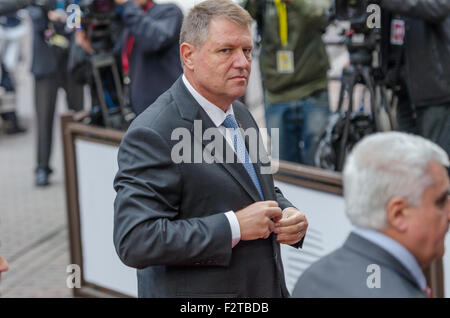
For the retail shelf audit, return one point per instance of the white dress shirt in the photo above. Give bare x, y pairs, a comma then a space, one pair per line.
218, 116
396, 250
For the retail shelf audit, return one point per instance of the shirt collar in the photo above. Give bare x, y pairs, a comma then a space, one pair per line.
396, 250
216, 114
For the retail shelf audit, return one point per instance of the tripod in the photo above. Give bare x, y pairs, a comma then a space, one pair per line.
361, 71
109, 92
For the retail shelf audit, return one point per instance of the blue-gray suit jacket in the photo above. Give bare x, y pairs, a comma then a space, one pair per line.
343, 273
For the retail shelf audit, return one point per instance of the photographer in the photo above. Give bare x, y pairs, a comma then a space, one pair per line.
150, 49
424, 102
51, 43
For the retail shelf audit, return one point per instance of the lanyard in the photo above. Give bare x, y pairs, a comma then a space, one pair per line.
282, 16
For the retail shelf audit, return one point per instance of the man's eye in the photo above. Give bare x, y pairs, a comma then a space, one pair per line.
442, 200
225, 50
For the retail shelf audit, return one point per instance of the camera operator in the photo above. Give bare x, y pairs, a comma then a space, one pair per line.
51, 43
424, 102
150, 49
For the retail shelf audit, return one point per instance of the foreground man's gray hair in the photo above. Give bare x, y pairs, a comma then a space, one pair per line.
385, 165
195, 26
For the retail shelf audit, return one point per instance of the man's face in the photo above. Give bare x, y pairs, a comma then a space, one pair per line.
429, 222
221, 67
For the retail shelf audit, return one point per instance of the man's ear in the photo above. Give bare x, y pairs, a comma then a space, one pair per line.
187, 52
397, 213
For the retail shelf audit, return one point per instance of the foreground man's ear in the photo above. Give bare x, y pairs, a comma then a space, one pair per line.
187, 51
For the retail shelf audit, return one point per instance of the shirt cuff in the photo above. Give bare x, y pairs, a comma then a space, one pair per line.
235, 228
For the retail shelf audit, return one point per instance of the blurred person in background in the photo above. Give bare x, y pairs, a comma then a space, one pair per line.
424, 102
51, 44
12, 30
9, 6
150, 49
3, 265
396, 192
294, 67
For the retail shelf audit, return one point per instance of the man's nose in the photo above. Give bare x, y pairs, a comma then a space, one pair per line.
241, 60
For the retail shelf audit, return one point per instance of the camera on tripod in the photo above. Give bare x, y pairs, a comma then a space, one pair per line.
110, 107
98, 17
374, 64
354, 11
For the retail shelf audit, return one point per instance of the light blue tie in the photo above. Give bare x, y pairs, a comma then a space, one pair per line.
241, 150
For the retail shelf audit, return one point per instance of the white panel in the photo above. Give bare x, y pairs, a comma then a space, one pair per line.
328, 228
96, 168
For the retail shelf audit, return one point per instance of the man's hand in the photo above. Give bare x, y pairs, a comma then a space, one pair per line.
292, 227
82, 40
120, 2
57, 16
258, 220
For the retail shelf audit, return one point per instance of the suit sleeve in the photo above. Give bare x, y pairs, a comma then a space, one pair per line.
147, 230
433, 11
152, 34
284, 203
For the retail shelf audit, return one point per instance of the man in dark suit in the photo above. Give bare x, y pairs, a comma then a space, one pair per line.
396, 191
150, 49
193, 228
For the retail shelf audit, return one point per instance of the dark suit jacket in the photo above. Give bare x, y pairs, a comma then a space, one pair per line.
155, 60
9, 6
47, 60
169, 218
343, 273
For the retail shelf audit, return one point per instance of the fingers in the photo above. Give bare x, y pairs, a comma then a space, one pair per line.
291, 228
274, 213
293, 219
270, 203
292, 234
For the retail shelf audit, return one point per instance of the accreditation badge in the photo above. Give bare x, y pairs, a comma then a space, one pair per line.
285, 62
398, 31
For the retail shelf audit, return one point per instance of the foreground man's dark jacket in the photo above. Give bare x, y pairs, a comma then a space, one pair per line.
169, 219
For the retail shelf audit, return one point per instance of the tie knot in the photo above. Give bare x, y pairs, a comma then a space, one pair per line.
230, 122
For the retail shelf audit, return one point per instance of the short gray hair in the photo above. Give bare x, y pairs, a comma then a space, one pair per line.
384, 165
195, 26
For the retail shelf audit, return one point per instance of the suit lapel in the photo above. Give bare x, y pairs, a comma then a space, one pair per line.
265, 180
190, 110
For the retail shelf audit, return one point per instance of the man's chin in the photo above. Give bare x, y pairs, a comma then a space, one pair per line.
238, 92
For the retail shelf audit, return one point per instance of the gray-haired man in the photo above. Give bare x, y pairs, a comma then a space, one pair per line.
396, 192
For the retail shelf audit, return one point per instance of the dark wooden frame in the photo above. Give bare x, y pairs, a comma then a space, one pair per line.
73, 129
